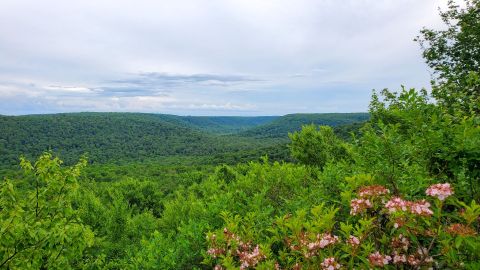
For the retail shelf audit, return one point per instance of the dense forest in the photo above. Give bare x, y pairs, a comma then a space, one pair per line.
395, 188
124, 138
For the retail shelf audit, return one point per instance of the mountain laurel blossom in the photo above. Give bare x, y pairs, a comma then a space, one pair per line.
215, 252
330, 264
377, 259
419, 258
248, 255
441, 191
359, 206
250, 259
399, 258
373, 191
421, 208
353, 241
400, 242
323, 240
397, 204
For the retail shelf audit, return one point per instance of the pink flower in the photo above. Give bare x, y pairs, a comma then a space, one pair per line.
215, 252
372, 191
414, 261
328, 239
330, 264
377, 259
400, 242
250, 259
353, 241
399, 258
323, 240
396, 204
359, 205
441, 191
421, 208
420, 257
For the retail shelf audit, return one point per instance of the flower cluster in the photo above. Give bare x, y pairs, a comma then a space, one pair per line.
420, 257
250, 258
397, 204
441, 191
327, 239
399, 258
247, 254
310, 248
400, 242
372, 191
421, 208
230, 236
322, 241
377, 259
359, 205
403, 248
353, 241
330, 264
215, 252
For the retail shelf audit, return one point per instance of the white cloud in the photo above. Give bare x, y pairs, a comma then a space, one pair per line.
81, 53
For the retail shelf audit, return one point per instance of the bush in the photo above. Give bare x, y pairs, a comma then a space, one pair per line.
381, 230
316, 146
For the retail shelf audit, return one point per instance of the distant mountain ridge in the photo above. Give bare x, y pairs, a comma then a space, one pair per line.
280, 127
108, 137
222, 124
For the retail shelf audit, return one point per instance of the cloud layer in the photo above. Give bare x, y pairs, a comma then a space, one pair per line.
210, 57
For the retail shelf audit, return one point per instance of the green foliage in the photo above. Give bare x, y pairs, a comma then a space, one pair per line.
312, 146
124, 138
154, 190
110, 137
409, 144
454, 56
156, 215
39, 227
378, 235
223, 124
411, 137
279, 128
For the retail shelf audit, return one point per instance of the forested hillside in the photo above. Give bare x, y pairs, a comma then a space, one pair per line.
280, 127
108, 137
403, 193
117, 137
223, 124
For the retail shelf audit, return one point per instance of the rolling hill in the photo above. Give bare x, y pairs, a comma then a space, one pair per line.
118, 137
280, 127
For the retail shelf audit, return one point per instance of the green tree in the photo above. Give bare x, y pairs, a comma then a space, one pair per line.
316, 146
39, 227
454, 56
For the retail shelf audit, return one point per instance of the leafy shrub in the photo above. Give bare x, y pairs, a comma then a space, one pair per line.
381, 230
312, 146
39, 227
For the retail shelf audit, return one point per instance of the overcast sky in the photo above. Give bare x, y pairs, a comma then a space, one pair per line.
211, 57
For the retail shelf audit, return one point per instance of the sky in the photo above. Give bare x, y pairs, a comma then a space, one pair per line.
208, 57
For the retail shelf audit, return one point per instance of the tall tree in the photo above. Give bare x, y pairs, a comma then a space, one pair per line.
454, 55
